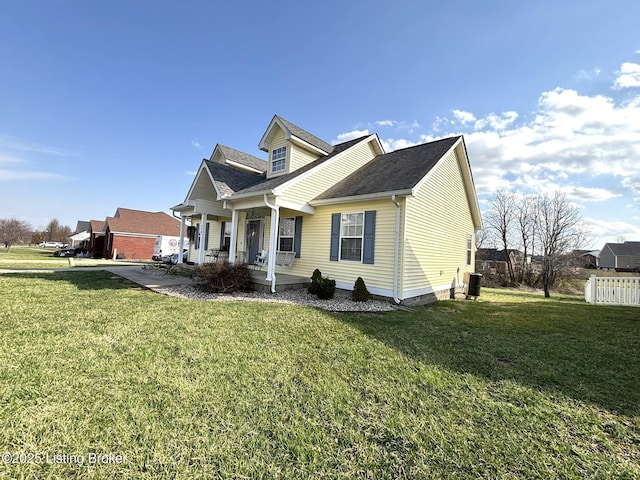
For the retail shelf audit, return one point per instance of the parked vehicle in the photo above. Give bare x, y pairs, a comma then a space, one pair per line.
65, 252
166, 246
52, 245
173, 258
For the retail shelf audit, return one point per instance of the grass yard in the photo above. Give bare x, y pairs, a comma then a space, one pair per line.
39, 258
512, 386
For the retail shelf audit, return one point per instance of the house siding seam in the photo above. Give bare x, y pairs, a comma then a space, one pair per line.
435, 242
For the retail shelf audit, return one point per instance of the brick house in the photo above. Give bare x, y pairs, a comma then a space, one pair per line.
96, 237
131, 234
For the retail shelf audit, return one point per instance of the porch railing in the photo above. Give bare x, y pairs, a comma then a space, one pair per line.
613, 290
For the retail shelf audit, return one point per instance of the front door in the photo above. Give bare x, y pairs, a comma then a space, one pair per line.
253, 239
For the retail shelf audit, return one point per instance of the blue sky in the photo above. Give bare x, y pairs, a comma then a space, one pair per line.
114, 104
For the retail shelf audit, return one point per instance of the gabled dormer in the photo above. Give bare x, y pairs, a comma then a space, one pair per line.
290, 147
237, 159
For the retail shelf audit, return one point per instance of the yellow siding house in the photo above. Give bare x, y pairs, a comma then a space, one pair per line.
404, 221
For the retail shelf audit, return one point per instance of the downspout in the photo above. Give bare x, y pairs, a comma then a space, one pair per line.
273, 240
396, 260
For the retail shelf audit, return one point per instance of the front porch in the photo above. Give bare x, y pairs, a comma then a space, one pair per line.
284, 282
259, 282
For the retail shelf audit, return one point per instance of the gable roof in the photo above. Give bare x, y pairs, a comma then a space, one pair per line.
398, 171
82, 226
131, 221
231, 155
266, 185
296, 134
228, 180
96, 225
625, 249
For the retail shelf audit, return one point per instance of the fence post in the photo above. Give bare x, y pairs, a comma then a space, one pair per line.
594, 288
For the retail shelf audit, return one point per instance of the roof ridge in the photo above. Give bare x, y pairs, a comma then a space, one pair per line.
306, 136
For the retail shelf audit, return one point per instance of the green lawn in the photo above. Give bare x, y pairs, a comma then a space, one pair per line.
512, 386
40, 258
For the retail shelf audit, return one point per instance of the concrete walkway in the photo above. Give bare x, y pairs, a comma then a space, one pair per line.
148, 280
134, 273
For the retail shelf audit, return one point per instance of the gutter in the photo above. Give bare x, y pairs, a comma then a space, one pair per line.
273, 240
396, 260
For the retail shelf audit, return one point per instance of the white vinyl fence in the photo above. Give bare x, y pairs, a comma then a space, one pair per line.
613, 290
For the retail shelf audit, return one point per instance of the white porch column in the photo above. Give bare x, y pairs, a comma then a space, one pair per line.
202, 232
181, 242
234, 237
273, 242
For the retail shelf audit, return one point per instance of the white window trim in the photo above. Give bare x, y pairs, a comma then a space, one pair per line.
361, 237
292, 237
282, 159
469, 248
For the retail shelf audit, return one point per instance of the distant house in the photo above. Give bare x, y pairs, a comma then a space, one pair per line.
492, 260
80, 236
586, 258
622, 257
131, 234
96, 237
404, 221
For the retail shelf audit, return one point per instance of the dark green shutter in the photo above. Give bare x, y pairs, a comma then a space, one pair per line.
369, 236
197, 236
222, 228
335, 237
297, 236
206, 236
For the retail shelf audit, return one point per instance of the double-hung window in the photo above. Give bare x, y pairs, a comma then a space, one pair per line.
351, 232
279, 159
469, 247
286, 232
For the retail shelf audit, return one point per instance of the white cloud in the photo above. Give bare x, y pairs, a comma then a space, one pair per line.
191, 173
16, 175
8, 144
464, 117
385, 123
345, 137
390, 144
629, 76
497, 122
603, 231
195, 144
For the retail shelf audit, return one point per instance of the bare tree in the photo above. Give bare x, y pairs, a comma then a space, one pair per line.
55, 232
13, 231
526, 229
559, 230
500, 220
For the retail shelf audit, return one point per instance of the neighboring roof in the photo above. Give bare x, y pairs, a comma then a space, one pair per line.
625, 249
292, 130
128, 220
82, 226
493, 254
268, 184
229, 179
96, 225
400, 170
240, 157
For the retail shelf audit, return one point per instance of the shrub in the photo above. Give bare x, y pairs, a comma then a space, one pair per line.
222, 277
315, 279
325, 288
360, 292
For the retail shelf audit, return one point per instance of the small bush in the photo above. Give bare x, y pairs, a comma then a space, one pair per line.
360, 292
315, 279
222, 277
325, 288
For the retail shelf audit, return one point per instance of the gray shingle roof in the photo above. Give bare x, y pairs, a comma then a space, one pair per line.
243, 158
229, 179
391, 172
306, 136
625, 249
271, 183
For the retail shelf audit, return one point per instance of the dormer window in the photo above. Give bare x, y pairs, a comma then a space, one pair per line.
279, 159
